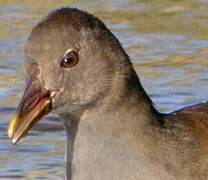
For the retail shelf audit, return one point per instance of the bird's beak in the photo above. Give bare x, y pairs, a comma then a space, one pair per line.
36, 102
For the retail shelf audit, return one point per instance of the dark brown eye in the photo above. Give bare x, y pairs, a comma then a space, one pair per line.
69, 60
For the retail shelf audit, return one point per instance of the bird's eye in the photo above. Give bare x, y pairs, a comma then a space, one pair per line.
69, 60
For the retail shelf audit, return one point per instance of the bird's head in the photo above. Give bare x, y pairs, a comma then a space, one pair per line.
72, 63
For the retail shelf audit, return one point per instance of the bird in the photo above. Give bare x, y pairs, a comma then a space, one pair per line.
77, 68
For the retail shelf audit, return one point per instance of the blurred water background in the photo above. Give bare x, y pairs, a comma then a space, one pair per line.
166, 40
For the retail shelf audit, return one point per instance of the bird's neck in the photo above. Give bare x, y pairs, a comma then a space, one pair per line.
111, 124
127, 103
132, 112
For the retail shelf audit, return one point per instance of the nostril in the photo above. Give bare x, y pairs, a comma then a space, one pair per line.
32, 98
30, 102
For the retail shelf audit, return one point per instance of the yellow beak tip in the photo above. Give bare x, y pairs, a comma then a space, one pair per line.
10, 133
12, 125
